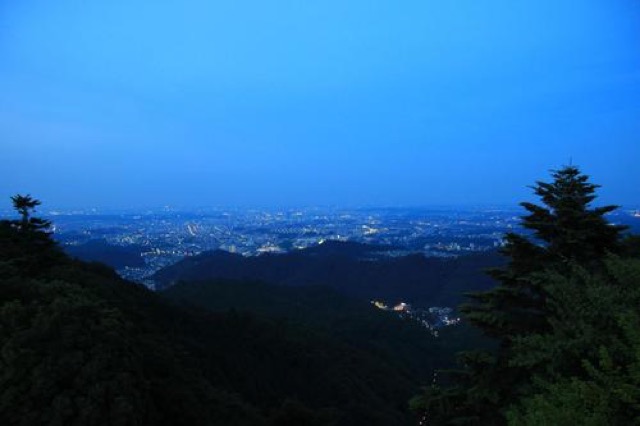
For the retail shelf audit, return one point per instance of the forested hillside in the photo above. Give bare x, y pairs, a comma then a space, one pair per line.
404, 343
80, 346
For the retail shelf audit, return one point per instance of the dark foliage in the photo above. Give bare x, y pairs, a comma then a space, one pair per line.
591, 354
403, 343
567, 233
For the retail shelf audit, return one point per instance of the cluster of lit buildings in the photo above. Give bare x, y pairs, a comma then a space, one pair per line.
168, 235
432, 318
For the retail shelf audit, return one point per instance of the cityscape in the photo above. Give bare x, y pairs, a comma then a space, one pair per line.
160, 238
163, 237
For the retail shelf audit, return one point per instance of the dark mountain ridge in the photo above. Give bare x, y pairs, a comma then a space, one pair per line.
99, 250
80, 346
354, 269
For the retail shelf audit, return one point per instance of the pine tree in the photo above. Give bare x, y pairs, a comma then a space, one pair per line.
26, 243
25, 205
564, 231
591, 355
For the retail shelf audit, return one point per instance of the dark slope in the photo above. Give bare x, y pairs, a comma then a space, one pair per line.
79, 346
403, 343
100, 251
350, 268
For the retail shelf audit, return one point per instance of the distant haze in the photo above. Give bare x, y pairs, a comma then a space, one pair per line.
132, 103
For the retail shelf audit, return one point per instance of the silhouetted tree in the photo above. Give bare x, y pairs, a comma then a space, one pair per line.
25, 205
26, 243
565, 231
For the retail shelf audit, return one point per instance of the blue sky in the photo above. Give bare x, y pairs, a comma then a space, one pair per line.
150, 103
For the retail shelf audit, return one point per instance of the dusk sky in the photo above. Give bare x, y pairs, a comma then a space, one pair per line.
286, 103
